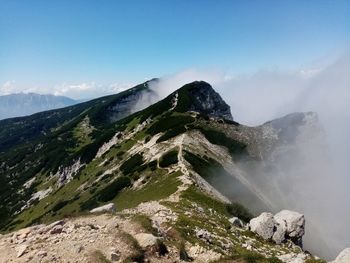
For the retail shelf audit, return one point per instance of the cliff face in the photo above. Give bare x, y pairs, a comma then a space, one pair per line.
204, 99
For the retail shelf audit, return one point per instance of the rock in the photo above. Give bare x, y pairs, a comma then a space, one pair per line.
108, 208
203, 234
263, 225
115, 254
21, 250
146, 240
56, 230
279, 236
343, 257
285, 225
292, 258
236, 222
56, 223
294, 223
42, 253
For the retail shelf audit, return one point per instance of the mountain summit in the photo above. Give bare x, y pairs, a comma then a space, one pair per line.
199, 96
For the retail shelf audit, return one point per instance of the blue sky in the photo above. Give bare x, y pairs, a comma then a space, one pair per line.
47, 43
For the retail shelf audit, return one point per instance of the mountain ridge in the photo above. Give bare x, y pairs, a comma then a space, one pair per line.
176, 155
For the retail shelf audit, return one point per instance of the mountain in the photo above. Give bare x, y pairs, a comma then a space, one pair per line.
22, 104
175, 172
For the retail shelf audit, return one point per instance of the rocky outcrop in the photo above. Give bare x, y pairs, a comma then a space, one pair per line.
343, 257
285, 225
108, 208
293, 224
204, 99
263, 225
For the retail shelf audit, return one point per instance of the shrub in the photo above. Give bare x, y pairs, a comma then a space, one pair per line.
110, 191
131, 164
168, 158
59, 205
171, 133
169, 122
239, 211
219, 138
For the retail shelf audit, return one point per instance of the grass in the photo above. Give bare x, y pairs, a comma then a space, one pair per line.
99, 257
160, 186
146, 223
138, 254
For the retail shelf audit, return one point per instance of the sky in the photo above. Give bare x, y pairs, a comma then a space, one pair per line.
85, 49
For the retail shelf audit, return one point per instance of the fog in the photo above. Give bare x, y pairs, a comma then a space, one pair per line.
314, 180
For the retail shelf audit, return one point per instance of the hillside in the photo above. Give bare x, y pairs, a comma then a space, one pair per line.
175, 170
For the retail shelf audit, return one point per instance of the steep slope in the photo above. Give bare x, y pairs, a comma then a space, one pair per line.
171, 163
22, 104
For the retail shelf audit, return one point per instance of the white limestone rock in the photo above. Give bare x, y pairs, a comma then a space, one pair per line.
236, 222
294, 221
263, 225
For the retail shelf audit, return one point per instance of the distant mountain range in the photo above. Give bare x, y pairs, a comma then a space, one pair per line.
22, 104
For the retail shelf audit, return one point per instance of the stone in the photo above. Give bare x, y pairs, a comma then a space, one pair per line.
56, 230
236, 222
343, 257
108, 208
294, 223
146, 240
41, 253
115, 254
279, 236
203, 234
292, 258
263, 225
21, 250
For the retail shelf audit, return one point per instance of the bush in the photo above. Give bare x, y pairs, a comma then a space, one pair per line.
59, 205
169, 122
219, 138
168, 158
171, 133
110, 191
239, 211
131, 164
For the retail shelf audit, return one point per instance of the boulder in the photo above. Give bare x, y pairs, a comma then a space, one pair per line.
343, 257
108, 208
279, 235
203, 234
294, 225
146, 240
285, 225
236, 222
263, 225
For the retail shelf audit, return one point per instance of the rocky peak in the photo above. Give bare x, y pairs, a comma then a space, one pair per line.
199, 96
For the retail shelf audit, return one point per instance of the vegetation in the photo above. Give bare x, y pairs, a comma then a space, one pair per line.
99, 257
169, 158
110, 191
219, 138
166, 184
131, 164
239, 211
